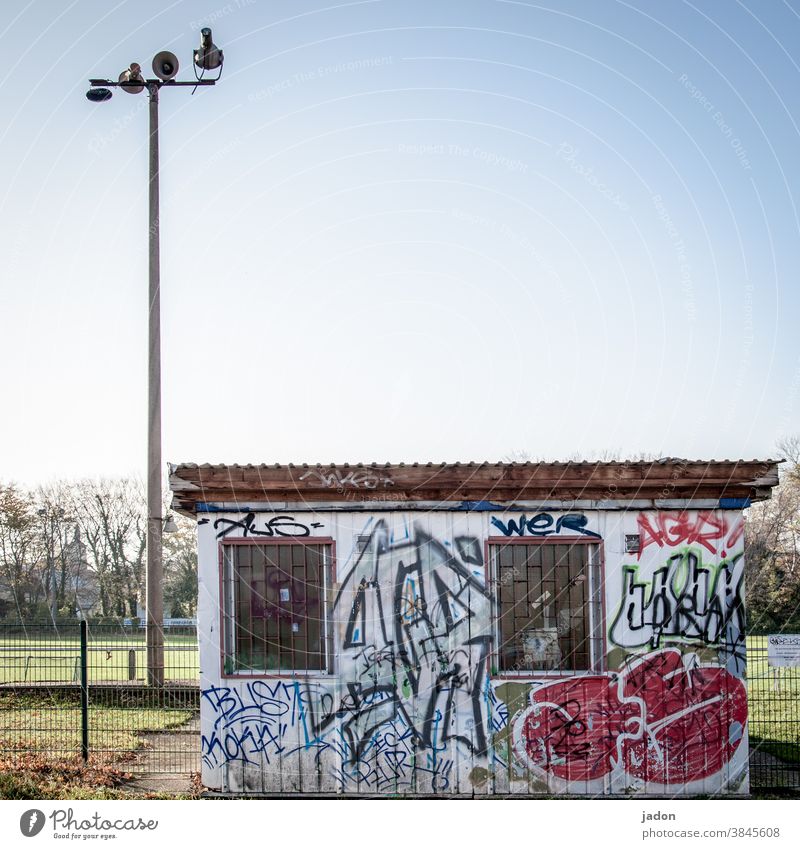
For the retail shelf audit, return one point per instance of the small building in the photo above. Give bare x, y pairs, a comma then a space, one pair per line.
473, 629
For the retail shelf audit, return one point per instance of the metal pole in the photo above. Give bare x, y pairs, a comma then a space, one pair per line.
53, 582
84, 690
155, 601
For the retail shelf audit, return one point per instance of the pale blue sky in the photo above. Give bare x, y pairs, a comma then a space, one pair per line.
404, 231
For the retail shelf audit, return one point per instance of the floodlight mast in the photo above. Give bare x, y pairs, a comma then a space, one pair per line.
132, 82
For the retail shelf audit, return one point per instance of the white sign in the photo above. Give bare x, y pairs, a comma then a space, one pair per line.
783, 649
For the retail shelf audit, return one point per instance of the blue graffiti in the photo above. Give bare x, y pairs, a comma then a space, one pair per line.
254, 721
263, 720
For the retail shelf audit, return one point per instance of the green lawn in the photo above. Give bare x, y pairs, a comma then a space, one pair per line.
43, 658
774, 704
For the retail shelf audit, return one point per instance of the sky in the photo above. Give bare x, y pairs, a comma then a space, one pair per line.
403, 231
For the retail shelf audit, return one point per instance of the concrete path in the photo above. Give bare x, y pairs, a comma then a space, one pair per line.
169, 761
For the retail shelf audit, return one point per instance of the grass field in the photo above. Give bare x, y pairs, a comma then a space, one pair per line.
774, 704
43, 659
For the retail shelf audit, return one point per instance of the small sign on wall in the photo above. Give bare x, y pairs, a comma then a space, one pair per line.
783, 649
633, 543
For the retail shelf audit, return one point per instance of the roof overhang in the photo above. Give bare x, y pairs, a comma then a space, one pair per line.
671, 479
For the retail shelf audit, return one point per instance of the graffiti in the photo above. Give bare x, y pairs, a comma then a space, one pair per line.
262, 722
412, 673
277, 526
246, 724
664, 720
358, 479
543, 524
694, 720
469, 550
716, 533
685, 599
573, 726
390, 762
406, 607
410, 703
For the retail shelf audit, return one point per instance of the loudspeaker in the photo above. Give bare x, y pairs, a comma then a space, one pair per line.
132, 74
165, 65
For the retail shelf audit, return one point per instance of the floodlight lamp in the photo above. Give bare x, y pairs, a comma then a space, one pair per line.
208, 56
98, 95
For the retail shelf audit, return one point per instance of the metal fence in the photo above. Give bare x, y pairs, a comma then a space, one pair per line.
773, 720
155, 731
60, 699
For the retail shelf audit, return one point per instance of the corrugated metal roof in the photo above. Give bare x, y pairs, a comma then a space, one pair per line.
462, 463
663, 478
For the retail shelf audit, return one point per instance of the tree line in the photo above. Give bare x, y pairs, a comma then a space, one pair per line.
772, 553
79, 548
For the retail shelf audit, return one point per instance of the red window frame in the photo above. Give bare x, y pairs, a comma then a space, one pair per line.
227, 619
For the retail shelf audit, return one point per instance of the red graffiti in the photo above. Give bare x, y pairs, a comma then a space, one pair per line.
694, 719
573, 727
665, 720
705, 528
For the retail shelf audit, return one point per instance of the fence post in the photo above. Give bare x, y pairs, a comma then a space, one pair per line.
85, 689
131, 664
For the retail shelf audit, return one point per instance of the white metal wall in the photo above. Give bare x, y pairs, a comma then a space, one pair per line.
418, 707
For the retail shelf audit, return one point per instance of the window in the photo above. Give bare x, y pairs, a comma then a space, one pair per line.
548, 606
275, 611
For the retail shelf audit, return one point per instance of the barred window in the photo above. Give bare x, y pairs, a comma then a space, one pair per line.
548, 606
275, 608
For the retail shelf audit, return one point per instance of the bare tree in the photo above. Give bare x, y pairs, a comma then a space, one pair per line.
72, 546
789, 448
112, 521
180, 569
772, 554
20, 551
64, 567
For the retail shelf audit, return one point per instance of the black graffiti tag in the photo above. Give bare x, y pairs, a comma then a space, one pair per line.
277, 526
685, 599
543, 524
417, 605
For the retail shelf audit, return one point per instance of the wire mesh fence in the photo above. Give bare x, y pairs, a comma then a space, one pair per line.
121, 720
773, 720
155, 730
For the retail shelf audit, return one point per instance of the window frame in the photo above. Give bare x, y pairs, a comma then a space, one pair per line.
598, 648
227, 619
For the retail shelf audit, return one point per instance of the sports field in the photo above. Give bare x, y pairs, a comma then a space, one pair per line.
773, 704
45, 658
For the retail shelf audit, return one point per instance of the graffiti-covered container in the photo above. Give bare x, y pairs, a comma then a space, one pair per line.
374, 632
